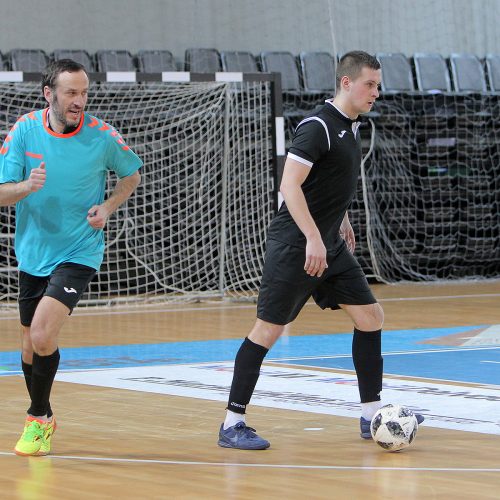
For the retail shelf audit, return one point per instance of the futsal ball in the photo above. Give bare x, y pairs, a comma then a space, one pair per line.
394, 427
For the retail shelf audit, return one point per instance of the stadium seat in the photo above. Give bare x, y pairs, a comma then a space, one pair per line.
202, 60
318, 71
238, 61
296, 104
432, 72
114, 60
29, 60
79, 55
467, 73
493, 70
284, 63
397, 75
155, 61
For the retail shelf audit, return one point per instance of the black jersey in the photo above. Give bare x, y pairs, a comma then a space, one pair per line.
329, 143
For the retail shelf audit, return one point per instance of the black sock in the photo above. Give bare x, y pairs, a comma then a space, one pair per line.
246, 373
42, 376
27, 370
368, 362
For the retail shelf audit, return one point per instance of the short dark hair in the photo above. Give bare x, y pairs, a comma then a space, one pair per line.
55, 68
352, 63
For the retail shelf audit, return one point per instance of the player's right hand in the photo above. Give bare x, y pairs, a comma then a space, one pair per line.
37, 178
315, 257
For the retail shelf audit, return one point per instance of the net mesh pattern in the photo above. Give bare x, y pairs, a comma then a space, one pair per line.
196, 224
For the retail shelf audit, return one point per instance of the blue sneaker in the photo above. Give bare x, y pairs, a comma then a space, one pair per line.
241, 437
364, 426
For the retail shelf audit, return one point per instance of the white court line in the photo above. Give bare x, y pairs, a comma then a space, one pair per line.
392, 353
266, 466
144, 309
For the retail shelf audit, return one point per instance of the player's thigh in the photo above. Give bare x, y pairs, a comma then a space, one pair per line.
65, 287
68, 282
48, 320
285, 286
345, 283
31, 290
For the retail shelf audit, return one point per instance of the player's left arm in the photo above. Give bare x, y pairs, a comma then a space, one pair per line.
347, 233
98, 215
121, 160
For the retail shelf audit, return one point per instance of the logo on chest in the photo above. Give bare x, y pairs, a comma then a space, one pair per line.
342, 133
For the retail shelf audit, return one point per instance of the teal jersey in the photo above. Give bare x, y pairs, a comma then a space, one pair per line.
51, 224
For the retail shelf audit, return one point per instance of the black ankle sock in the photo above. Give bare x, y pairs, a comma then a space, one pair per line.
368, 362
27, 370
42, 376
246, 373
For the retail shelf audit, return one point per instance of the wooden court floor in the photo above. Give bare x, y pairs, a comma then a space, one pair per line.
124, 444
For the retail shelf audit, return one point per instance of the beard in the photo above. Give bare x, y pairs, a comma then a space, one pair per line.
59, 115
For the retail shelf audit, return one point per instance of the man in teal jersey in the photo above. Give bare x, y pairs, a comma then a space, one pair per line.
53, 166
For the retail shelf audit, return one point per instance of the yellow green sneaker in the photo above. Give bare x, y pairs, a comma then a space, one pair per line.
32, 437
49, 429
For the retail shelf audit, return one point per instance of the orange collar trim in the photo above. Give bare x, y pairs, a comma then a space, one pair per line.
56, 134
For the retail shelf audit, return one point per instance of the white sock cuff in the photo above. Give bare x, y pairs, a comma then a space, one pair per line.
369, 409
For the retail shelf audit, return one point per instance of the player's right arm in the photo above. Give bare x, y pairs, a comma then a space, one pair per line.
294, 175
13, 183
310, 143
12, 192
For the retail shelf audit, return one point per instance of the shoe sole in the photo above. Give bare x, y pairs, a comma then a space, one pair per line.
21, 454
223, 444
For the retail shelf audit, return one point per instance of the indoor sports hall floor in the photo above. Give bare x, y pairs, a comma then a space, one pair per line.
140, 396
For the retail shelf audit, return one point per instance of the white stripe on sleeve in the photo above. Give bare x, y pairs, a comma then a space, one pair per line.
299, 159
322, 123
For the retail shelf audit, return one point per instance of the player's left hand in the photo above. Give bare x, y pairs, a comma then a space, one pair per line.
347, 234
97, 216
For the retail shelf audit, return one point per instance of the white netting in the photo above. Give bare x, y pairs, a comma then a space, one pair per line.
432, 187
427, 204
196, 225
427, 209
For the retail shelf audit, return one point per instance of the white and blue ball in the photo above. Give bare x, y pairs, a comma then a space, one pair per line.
394, 427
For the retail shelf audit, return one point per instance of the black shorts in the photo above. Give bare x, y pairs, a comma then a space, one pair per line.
66, 284
286, 287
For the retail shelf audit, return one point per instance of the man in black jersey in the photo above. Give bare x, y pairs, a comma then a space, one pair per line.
309, 249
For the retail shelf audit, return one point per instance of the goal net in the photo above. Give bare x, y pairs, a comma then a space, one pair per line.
431, 187
426, 207
196, 225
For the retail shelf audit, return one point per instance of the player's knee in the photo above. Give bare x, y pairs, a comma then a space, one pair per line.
372, 319
266, 334
41, 342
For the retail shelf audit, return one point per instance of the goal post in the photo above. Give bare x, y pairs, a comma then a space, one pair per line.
196, 225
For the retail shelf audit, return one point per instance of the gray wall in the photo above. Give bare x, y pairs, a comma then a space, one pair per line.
334, 25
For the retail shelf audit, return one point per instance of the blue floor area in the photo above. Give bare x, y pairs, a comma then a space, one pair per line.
413, 358
463, 365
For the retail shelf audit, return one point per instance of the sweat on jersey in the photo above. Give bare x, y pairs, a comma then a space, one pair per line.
51, 224
328, 143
